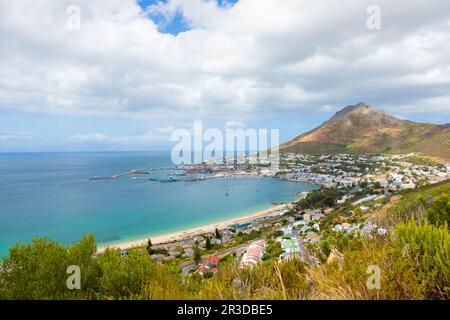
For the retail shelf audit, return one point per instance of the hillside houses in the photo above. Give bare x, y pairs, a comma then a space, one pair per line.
346, 171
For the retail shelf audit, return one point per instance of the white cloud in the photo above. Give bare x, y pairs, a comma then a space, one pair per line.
258, 57
235, 125
439, 105
168, 129
90, 137
14, 136
159, 134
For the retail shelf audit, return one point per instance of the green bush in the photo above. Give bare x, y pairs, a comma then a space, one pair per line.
427, 249
439, 212
39, 270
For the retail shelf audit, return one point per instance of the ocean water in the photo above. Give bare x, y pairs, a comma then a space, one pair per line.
50, 195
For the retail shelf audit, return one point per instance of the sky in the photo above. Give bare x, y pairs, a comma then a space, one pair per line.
83, 75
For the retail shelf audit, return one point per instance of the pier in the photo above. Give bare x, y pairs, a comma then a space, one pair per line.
189, 173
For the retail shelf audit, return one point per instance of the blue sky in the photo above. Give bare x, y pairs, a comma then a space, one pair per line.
136, 70
176, 25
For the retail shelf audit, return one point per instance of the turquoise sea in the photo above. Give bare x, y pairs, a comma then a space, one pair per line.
49, 194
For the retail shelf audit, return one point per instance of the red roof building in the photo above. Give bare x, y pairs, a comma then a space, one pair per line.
213, 260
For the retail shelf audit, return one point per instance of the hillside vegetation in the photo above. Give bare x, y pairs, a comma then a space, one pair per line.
413, 258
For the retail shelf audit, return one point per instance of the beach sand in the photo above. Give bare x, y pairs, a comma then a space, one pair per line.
187, 233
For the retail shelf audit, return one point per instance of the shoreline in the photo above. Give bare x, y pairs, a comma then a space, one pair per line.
196, 231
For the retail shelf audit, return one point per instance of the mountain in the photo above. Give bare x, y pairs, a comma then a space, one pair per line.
363, 129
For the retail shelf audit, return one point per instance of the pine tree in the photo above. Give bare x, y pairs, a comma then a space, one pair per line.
208, 243
218, 235
197, 254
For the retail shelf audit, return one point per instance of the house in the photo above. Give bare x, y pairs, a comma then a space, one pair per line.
188, 252
312, 237
290, 246
254, 254
238, 226
157, 256
213, 261
313, 215
291, 219
226, 238
298, 223
174, 253
409, 185
380, 197
365, 199
202, 269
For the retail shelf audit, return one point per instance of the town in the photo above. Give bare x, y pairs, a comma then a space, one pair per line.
352, 187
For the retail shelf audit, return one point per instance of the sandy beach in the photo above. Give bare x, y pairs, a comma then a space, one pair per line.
180, 235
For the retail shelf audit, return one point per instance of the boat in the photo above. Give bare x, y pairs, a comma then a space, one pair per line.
168, 179
179, 172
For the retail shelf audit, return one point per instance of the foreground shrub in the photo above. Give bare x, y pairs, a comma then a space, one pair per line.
427, 250
438, 213
39, 270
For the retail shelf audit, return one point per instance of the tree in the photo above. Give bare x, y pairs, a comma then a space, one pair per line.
125, 277
39, 270
218, 235
208, 243
319, 199
197, 254
364, 184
